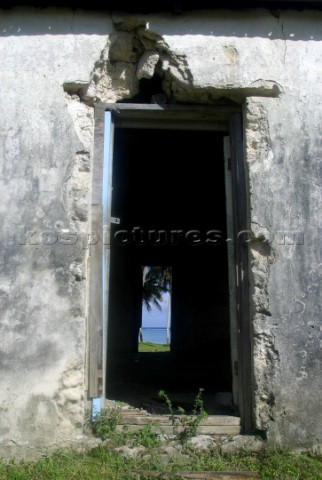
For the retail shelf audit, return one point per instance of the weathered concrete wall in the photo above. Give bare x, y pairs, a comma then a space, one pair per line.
272, 64
45, 182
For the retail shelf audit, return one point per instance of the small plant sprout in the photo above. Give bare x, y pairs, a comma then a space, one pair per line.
186, 426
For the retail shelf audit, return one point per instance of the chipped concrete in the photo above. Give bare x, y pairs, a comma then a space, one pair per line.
147, 64
58, 64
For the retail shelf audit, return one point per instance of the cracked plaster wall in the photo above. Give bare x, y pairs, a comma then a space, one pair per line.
58, 63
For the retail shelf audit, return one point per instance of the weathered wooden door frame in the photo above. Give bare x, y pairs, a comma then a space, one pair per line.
225, 119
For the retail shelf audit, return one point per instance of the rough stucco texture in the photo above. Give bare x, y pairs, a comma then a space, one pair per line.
272, 64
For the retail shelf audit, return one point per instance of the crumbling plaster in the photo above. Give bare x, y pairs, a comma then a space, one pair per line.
58, 64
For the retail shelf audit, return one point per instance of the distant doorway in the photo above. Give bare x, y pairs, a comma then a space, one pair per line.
155, 329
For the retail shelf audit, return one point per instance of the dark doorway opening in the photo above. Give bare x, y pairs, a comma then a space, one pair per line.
169, 208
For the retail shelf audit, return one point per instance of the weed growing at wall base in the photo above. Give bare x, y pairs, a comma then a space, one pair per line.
105, 422
104, 426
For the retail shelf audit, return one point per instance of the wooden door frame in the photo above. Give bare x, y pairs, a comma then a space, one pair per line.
221, 118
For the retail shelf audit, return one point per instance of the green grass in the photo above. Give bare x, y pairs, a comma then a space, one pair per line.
102, 463
153, 347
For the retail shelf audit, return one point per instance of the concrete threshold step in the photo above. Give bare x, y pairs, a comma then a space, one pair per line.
211, 425
213, 420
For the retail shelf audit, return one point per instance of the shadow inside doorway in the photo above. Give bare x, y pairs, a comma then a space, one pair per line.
170, 181
139, 381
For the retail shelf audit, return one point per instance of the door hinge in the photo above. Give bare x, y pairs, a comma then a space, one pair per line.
236, 368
